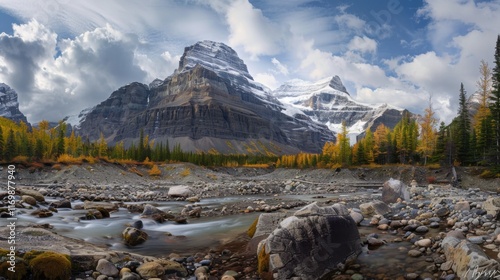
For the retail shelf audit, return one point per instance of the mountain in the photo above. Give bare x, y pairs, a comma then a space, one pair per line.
211, 102
9, 106
328, 102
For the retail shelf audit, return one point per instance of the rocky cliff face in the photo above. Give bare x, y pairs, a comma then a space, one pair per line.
328, 102
112, 114
210, 102
9, 106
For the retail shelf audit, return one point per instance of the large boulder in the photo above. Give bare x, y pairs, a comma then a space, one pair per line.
492, 206
180, 191
394, 189
310, 244
375, 207
468, 260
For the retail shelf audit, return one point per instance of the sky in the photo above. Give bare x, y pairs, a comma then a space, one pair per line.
63, 56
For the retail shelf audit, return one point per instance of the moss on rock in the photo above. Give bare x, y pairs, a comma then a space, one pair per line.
51, 266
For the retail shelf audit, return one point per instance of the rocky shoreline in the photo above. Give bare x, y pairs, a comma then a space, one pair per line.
430, 232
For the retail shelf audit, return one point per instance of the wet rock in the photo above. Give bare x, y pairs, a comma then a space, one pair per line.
110, 207
193, 199
61, 204
313, 245
107, 268
180, 191
35, 194
29, 199
42, 213
138, 224
394, 189
133, 236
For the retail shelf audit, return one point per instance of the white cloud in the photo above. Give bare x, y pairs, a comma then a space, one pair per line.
84, 72
363, 44
279, 66
267, 79
251, 30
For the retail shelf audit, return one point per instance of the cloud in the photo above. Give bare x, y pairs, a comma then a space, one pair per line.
280, 67
251, 30
58, 78
267, 79
363, 44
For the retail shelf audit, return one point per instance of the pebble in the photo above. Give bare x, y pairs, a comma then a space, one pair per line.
107, 268
422, 229
424, 242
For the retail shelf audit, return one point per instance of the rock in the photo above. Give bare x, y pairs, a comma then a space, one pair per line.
130, 276
110, 207
193, 199
29, 199
462, 206
411, 276
375, 242
149, 270
35, 194
375, 207
107, 268
422, 229
180, 191
424, 243
227, 277
357, 217
171, 267
476, 239
467, 259
61, 204
150, 210
137, 224
394, 189
446, 265
51, 265
414, 253
310, 246
134, 236
201, 273
442, 212
492, 206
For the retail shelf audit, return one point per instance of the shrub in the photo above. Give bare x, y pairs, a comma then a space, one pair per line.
57, 166
51, 266
21, 160
186, 172
431, 180
69, 159
155, 171
147, 162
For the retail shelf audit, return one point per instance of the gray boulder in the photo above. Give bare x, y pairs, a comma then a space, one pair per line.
468, 260
394, 189
310, 246
180, 191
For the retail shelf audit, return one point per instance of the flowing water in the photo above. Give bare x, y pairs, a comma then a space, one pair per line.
196, 235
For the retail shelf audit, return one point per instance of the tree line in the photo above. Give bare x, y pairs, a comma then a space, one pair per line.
472, 138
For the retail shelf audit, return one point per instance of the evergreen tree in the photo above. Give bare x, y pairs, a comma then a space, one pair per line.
495, 102
463, 128
140, 149
60, 139
482, 119
2, 144
10, 148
